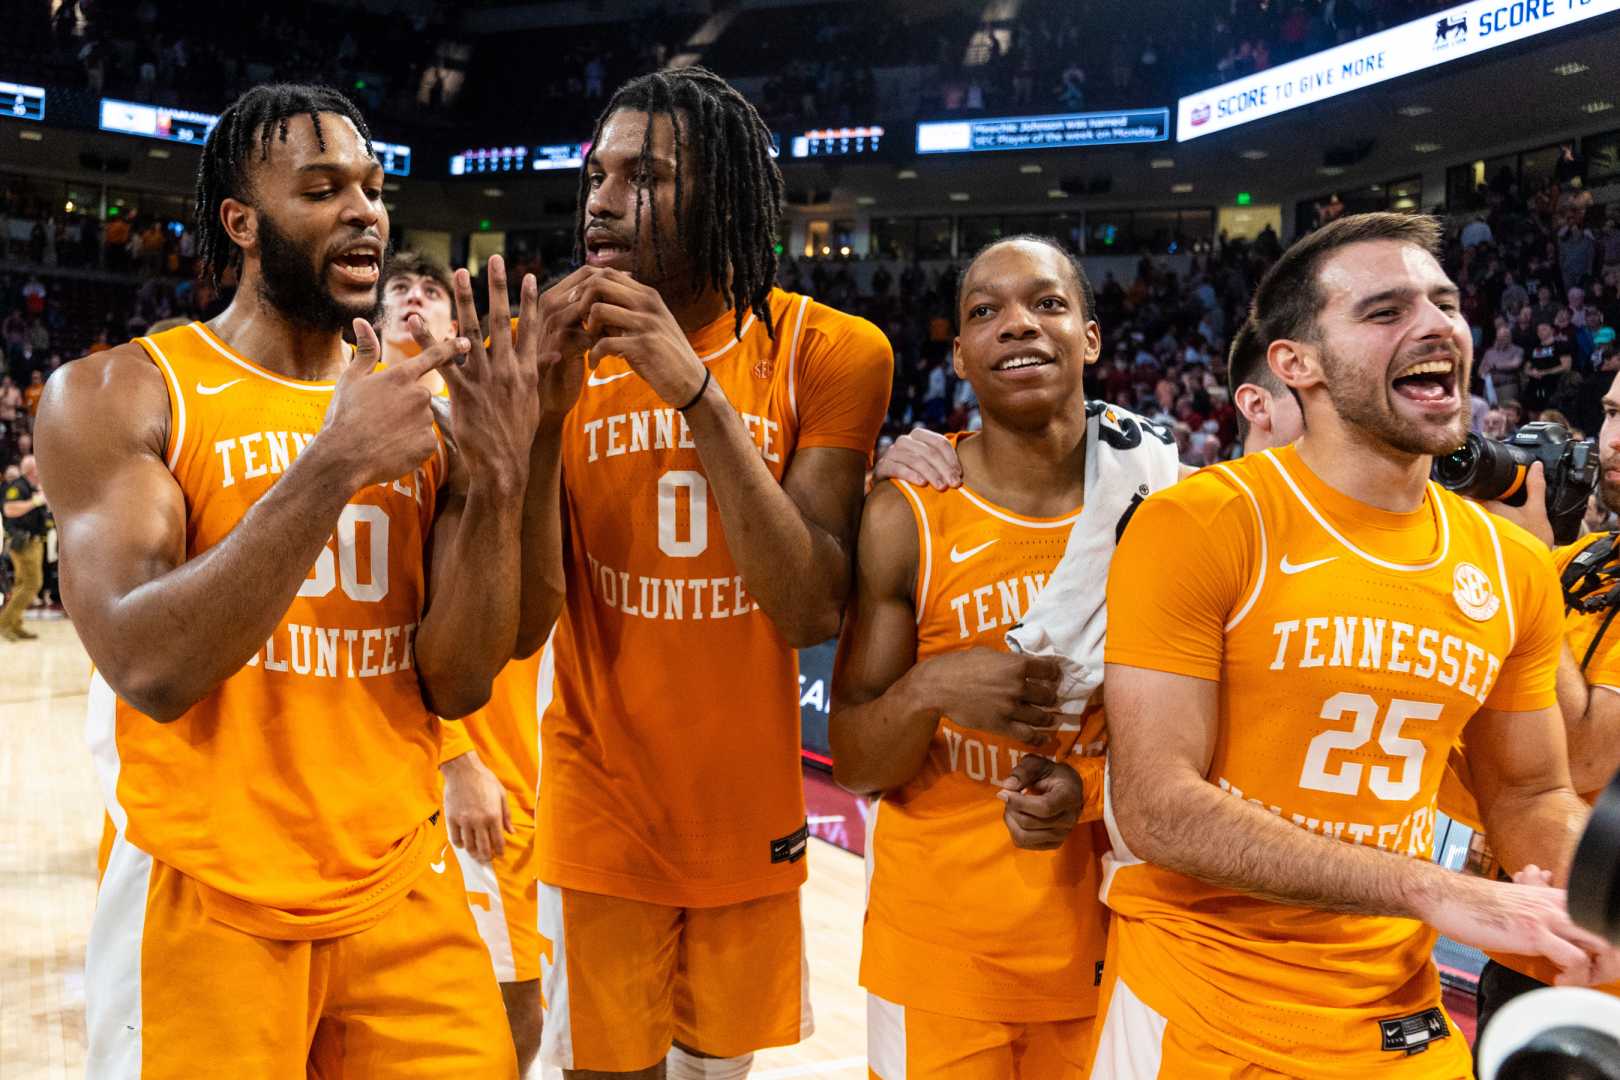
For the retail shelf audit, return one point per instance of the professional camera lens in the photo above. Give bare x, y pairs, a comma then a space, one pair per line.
1482, 469
1594, 875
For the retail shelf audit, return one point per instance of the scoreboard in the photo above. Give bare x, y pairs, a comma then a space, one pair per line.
22, 102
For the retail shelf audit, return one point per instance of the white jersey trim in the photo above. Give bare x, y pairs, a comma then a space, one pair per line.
925, 550
1260, 524
1439, 506
793, 359
294, 384
112, 968
177, 438
1060, 523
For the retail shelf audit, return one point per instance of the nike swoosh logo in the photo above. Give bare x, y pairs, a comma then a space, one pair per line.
595, 380
438, 867
964, 556
1299, 568
208, 390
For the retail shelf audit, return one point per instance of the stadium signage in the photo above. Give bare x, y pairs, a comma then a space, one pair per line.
1440, 38
22, 102
837, 142
1044, 132
178, 125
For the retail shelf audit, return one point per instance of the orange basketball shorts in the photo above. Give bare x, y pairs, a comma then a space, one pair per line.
910, 1044
504, 904
627, 979
173, 994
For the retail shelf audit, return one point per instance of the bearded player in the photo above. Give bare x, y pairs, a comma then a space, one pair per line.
246, 508
712, 458
979, 957
490, 761
1282, 702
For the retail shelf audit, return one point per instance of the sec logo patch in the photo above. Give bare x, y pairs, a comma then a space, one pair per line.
1472, 591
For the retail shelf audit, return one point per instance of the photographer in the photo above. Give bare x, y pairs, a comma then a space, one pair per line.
24, 511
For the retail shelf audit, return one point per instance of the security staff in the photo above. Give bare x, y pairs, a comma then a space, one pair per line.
24, 511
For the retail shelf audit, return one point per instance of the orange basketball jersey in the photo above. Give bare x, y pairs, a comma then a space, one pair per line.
1351, 645
506, 732
297, 794
670, 752
958, 920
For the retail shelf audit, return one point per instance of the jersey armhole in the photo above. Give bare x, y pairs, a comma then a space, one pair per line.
1259, 582
1501, 570
177, 402
793, 359
925, 548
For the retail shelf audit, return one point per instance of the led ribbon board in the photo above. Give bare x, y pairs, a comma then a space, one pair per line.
22, 102
837, 142
1044, 132
1457, 32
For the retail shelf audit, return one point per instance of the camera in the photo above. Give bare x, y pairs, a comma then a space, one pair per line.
1488, 469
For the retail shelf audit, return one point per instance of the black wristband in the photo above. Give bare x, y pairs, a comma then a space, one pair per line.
707, 375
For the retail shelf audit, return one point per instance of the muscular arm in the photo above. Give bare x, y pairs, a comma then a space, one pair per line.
880, 726
792, 541
1520, 771
1591, 725
543, 557
153, 621
18, 507
1161, 730
470, 626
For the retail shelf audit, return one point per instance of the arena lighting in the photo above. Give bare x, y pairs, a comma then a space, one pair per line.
22, 102
1044, 132
1440, 38
182, 126
837, 142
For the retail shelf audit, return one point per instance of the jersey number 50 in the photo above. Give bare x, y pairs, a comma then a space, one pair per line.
324, 575
1346, 779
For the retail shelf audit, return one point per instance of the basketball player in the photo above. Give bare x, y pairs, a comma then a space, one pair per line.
1268, 413
489, 757
245, 509
1312, 629
980, 959
712, 472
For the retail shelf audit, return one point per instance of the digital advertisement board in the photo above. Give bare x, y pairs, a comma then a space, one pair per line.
21, 101
1441, 38
1044, 132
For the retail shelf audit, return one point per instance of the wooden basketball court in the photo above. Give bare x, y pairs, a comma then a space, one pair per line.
50, 816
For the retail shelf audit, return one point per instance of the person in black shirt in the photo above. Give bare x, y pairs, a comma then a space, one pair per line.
1545, 367
24, 513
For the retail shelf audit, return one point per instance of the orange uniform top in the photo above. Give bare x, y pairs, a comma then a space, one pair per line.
958, 920
1351, 646
506, 732
670, 752
297, 794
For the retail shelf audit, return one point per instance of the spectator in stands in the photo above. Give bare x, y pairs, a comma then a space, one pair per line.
23, 509
1513, 295
1577, 253
1545, 367
116, 241
1501, 364
34, 295
1476, 232
31, 396
1494, 425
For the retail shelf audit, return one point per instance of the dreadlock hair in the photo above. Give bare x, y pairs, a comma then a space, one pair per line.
227, 159
730, 230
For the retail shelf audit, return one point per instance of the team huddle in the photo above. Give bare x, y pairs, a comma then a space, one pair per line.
445, 708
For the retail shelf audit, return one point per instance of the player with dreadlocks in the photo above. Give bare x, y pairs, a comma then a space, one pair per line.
711, 435
245, 509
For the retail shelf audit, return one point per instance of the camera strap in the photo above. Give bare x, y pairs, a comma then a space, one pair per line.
1591, 583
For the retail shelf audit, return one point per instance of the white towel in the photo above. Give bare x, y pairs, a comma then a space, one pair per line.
1128, 458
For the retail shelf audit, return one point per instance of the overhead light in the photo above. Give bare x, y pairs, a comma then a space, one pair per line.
1180, 189
1597, 106
1414, 110
31, 135
68, 206
1426, 147
1571, 67
844, 251
157, 152
1163, 163
864, 200
959, 196
1029, 168
826, 250
494, 192
1056, 193
906, 174
1331, 170
1252, 155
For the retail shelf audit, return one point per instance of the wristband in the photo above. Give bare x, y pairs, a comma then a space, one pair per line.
707, 375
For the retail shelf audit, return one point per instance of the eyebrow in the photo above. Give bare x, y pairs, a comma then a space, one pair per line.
332, 168
1402, 293
1044, 284
593, 161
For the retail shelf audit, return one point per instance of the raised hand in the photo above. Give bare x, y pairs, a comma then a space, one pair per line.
379, 426
626, 318
563, 343
494, 395
1044, 799
1000, 692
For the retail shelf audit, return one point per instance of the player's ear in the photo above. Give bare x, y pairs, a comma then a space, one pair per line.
1255, 405
956, 358
241, 222
1294, 362
1093, 342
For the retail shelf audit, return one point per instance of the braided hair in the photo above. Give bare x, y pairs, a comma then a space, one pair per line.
730, 230
248, 125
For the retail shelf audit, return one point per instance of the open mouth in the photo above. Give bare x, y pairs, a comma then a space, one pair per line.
604, 250
1430, 383
1023, 362
360, 265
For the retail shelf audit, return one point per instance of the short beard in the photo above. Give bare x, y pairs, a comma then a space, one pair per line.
1364, 404
289, 282
1609, 495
